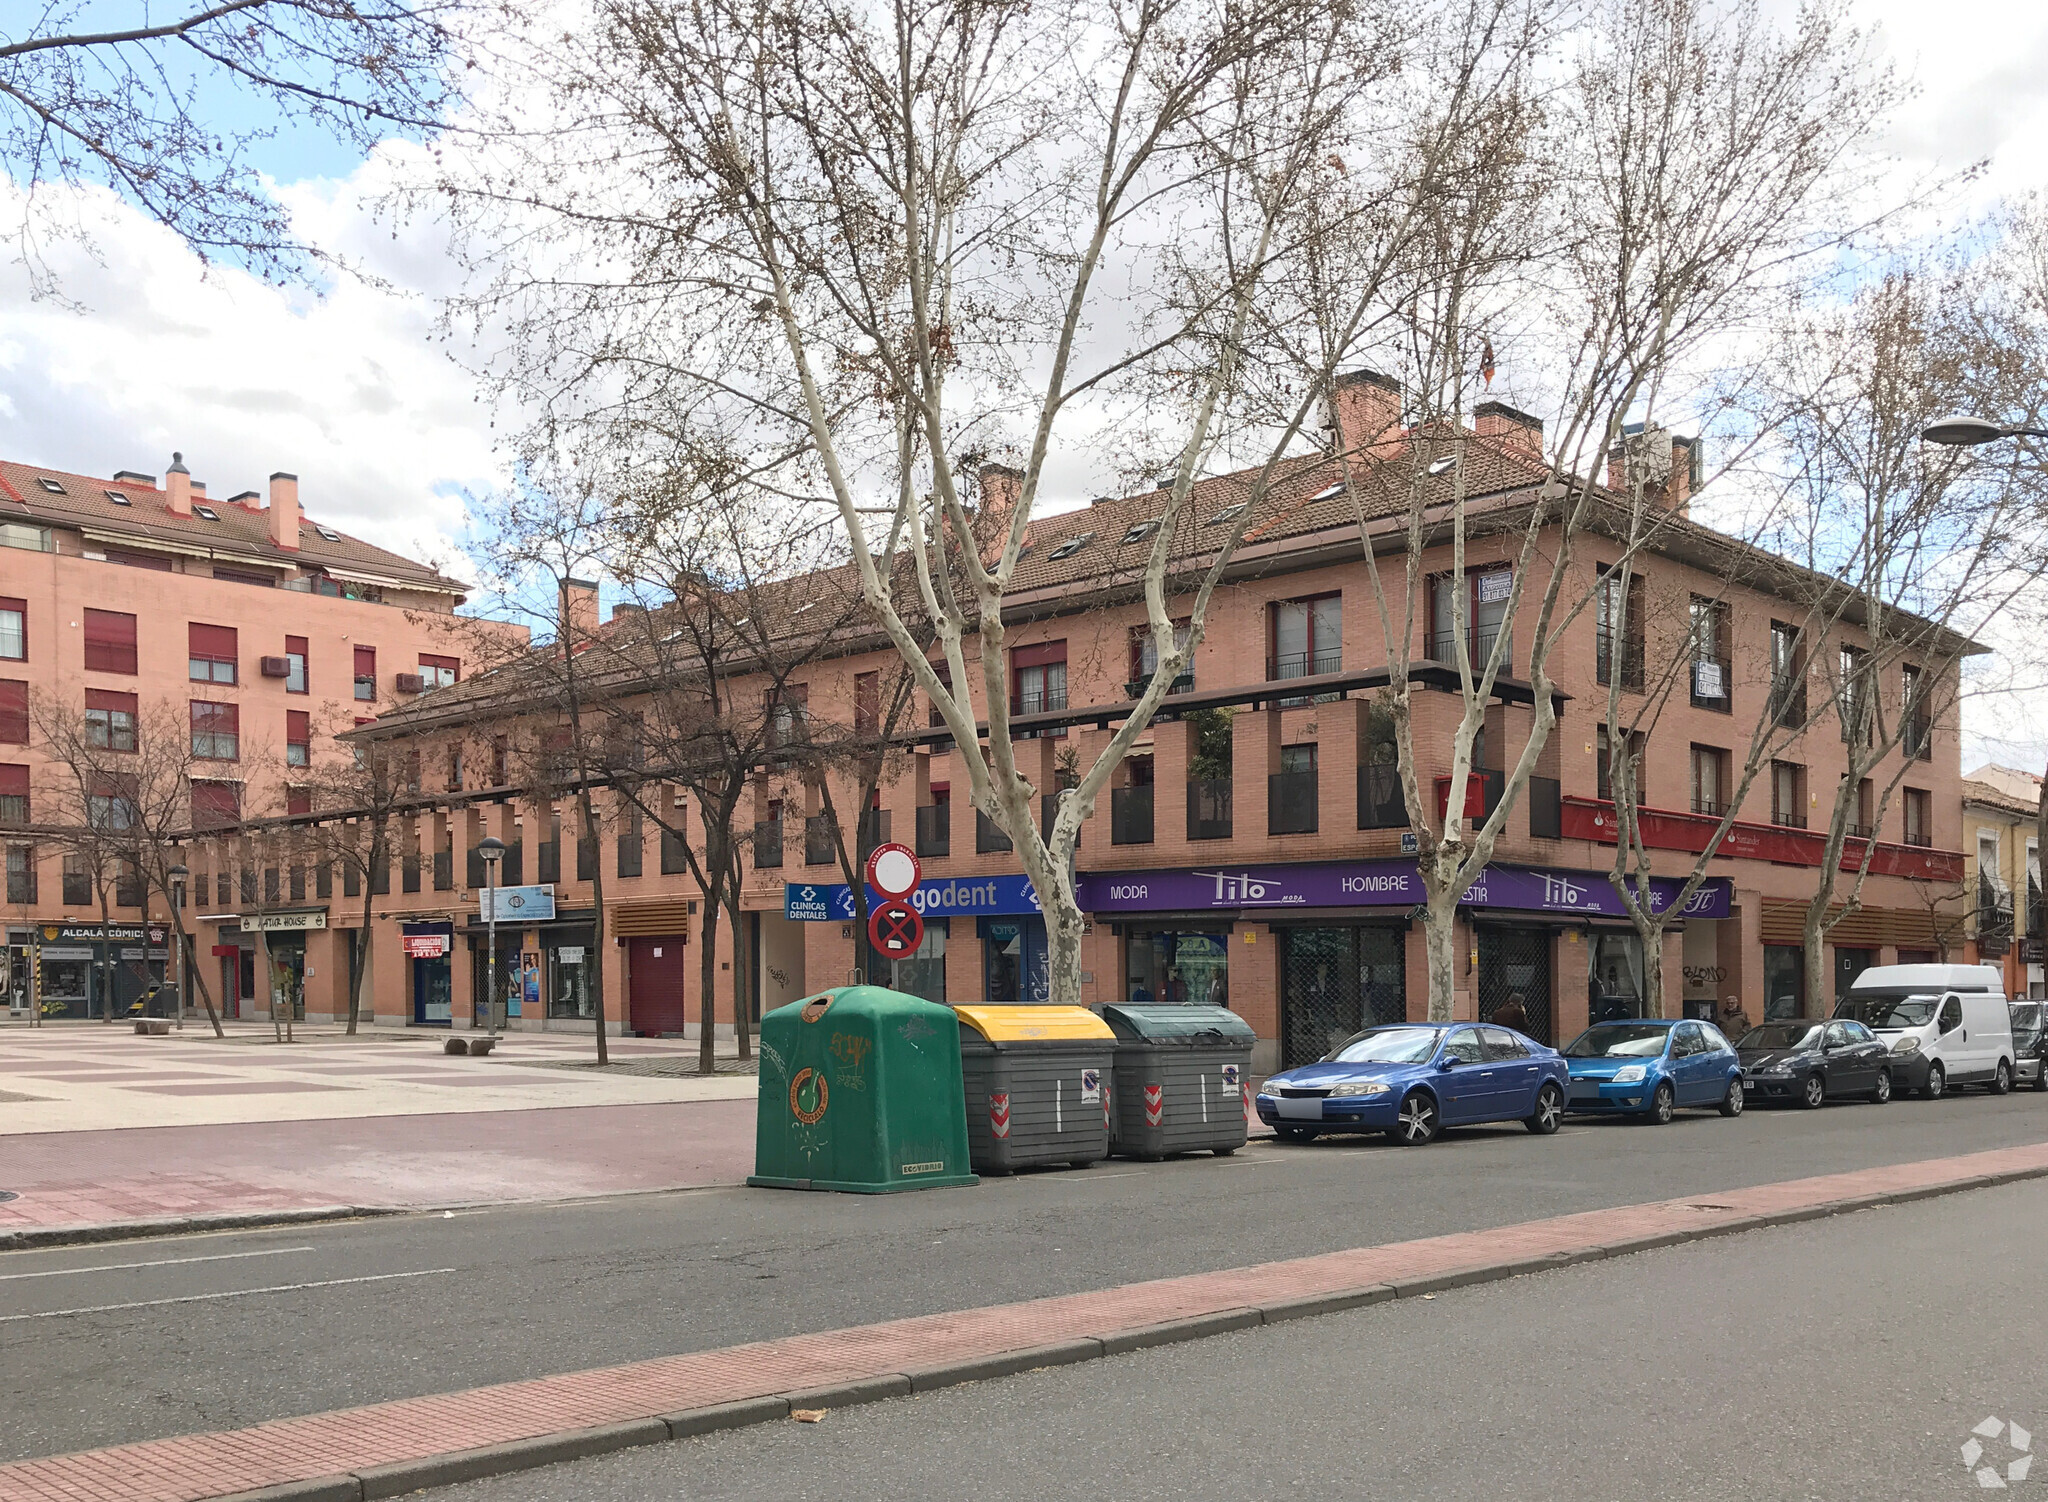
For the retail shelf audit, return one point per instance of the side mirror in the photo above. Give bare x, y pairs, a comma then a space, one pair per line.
1448, 1061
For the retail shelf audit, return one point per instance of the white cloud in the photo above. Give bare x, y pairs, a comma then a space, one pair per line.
348, 390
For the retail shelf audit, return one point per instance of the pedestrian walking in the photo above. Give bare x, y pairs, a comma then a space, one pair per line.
1512, 1013
1734, 1021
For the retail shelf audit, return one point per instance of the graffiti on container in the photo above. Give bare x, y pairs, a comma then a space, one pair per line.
769, 1052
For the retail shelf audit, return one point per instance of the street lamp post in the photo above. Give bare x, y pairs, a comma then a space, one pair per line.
492, 849
178, 876
1969, 432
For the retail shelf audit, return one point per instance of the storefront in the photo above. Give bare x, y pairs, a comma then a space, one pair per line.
84, 969
429, 948
1336, 978
280, 940
1008, 925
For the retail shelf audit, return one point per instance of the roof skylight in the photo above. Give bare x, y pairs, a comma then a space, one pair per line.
206, 511
1329, 492
1227, 514
53, 486
1444, 465
327, 532
119, 498
1070, 547
1141, 531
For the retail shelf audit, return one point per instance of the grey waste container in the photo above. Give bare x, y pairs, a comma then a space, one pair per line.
1037, 1085
1181, 1073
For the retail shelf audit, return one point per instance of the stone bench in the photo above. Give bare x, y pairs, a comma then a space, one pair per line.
476, 1048
152, 1027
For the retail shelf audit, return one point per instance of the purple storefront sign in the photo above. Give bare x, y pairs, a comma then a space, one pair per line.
1375, 884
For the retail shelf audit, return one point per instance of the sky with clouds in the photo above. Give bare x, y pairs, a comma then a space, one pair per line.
350, 389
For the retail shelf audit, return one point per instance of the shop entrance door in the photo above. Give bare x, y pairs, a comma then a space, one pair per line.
655, 989
1014, 969
1335, 982
1516, 962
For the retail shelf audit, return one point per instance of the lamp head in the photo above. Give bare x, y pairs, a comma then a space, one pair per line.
1963, 432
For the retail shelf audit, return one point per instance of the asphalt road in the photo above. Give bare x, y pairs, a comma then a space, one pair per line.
1843, 1358
284, 1322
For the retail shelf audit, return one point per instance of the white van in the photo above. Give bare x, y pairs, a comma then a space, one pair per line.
1946, 1025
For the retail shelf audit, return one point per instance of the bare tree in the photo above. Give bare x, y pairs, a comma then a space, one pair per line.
129, 98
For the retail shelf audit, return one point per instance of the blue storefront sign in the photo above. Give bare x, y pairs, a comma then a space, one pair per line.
943, 897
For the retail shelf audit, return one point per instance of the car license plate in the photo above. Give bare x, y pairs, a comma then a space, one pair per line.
1585, 1092
1302, 1108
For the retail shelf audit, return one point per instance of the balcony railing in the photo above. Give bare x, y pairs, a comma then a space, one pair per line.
874, 830
988, 835
1048, 810
1380, 802
1788, 701
1921, 837
1305, 664
1442, 646
1624, 657
1546, 809
1917, 738
1209, 808
1710, 682
550, 861
1713, 808
1130, 815
820, 848
1180, 685
767, 842
935, 829
1038, 701
1291, 802
1788, 818
21, 885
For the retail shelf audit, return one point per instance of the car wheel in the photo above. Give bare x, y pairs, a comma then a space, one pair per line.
1222, 1152
1733, 1102
1663, 1105
1882, 1090
1937, 1083
2001, 1082
2041, 1076
1296, 1134
1549, 1111
1813, 1092
1417, 1124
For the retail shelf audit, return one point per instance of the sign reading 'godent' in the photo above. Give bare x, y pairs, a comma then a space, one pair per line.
941, 897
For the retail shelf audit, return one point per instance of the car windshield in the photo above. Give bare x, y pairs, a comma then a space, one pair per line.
1893, 1011
1386, 1045
1619, 1040
1783, 1035
2026, 1023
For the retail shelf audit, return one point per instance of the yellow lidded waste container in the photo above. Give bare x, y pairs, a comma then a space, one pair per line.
1037, 1084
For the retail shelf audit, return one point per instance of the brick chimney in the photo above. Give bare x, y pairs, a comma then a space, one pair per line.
284, 510
1001, 487
1365, 412
1667, 463
1513, 429
579, 610
178, 486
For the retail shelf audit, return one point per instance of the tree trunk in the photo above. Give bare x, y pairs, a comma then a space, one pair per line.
707, 986
191, 971
596, 967
1651, 937
742, 973
361, 969
1440, 946
106, 970
1815, 954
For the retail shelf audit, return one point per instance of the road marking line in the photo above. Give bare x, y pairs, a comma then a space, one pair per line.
116, 1267
239, 1293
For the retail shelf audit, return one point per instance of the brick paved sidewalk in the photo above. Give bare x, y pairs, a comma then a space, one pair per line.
385, 1449
135, 1180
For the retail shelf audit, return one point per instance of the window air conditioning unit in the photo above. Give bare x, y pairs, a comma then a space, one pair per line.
411, 683
277, 667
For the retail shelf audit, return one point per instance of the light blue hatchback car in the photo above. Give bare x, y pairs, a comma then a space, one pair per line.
1648, 1067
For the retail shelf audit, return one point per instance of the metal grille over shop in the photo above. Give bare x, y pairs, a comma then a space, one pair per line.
1336, 981
1516, 962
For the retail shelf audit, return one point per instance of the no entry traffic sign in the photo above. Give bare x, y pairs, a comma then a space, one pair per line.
893, 870
895, 930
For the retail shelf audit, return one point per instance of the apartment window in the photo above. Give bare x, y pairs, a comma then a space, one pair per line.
1709, 780
216, 805
156, 563
867, 703
110, 803
298, 738
1854, 701
216, 731
213, 653
77, 881
366, 673
1788, 676
21, 535
1307, 636
13, 712
1918, 807
13, 629
109, 641
110, 720
1788, 794
1145, 658
1603, 768
439, 672
1711, 660
454, 769
501, 763
298, 800
1618, 630
1916, 732
295, 654
21, 873
1040, 674
1485, 592
943, 671
13, 795
787, 708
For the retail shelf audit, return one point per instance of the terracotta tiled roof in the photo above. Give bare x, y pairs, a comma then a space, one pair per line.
85, 501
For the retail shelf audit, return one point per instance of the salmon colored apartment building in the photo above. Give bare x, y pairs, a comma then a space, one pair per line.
1254, 850
240, 622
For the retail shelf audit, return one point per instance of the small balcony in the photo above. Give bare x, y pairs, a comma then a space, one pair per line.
1209, 808
1916, 738
767, 843
1048, 810
1713, 808
1788, 818
1380, 801
989, 838
1130, 815
1291, 802
1442, 646
874, 830
550, 861
1788, 702
1304, 664
1180, 685
1038, 701
1624, 657
820, 846
935, 829
1546, 808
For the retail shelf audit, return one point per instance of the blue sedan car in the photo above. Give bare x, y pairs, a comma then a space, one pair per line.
1648, 1067
1411, 1080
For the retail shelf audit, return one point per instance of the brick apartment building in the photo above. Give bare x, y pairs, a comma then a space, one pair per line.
2008, 925
259, 631
1252, 849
